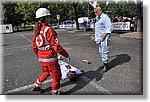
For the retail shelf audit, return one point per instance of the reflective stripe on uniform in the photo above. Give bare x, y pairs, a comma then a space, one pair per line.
48, 59
45, 30
45, 48
37, 81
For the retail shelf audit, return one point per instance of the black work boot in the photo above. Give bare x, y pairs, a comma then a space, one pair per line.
105, 68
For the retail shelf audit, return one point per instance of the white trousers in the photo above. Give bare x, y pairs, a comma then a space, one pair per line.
104, 49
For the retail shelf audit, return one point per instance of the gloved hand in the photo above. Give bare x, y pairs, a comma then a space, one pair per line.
59, 57
68, 58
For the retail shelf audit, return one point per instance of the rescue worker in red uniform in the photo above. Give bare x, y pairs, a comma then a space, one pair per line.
46, 46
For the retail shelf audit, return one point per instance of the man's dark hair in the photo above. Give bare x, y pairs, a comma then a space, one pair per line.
72, 75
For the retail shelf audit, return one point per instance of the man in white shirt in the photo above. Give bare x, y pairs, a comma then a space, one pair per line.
103, 28
68, 71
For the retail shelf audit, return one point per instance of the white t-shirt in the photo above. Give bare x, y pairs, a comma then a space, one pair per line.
65, 68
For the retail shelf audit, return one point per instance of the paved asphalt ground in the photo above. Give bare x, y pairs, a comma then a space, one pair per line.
125, 77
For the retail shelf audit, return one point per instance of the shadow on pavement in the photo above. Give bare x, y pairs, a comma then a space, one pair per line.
80, 84
120, 59
97, 75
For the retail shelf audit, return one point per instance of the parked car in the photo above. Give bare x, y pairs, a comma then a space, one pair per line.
84, 24
55, 26
68, 24
92, 25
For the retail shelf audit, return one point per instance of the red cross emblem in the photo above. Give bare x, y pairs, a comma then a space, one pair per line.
39, 41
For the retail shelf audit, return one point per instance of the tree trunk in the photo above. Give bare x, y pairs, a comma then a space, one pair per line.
76, 15
24, 26
140, 17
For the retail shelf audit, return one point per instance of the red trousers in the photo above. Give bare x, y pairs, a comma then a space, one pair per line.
54, 71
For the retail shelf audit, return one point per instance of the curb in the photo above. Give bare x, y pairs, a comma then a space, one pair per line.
75, 31
136, 35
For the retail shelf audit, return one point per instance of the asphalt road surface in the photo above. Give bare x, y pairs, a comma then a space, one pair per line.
125, 77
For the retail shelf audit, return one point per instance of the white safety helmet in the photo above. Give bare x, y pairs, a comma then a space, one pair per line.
41, 12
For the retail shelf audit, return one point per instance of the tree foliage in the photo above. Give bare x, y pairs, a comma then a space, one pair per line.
22, 13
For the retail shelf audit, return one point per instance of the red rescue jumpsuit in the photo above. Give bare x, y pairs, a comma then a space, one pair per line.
46, 49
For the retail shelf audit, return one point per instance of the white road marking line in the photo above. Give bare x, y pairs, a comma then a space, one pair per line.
97, 86
7, 54
86, 79
23, 88
94, 84
17, 47
26, 38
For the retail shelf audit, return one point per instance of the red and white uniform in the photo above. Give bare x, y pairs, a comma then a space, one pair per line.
46, 46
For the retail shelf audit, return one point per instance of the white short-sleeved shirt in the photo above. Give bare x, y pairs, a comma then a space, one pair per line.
102, 25
65, 68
